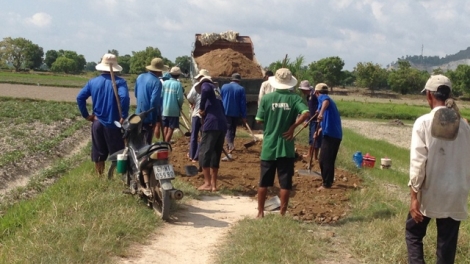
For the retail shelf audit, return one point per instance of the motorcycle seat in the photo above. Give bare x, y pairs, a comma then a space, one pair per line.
150, 148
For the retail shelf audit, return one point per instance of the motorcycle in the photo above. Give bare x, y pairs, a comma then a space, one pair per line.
147, 171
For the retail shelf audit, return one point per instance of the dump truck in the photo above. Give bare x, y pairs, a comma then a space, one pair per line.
239, 44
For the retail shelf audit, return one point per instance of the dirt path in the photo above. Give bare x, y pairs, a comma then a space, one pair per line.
43, 92
196, 230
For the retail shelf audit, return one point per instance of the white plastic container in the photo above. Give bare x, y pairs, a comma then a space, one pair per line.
385, 163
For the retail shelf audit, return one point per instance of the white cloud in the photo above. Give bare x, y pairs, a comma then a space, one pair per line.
39, 20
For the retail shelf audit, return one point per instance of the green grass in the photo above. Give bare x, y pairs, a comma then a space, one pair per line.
369, 110
80, 219
373, 232
273, 239
55, 79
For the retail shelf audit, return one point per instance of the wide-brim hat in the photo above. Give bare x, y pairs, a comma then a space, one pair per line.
283, 79
157, 65
202, 72
204, 79
175, 71
305, 85
107, 60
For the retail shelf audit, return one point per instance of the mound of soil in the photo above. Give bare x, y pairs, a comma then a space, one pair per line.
242, 175
225, 62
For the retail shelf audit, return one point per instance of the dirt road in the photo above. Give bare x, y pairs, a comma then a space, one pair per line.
44, 92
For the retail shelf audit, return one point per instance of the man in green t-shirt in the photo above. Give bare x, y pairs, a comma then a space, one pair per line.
278, 111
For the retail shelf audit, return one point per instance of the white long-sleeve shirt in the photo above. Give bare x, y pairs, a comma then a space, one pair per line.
195, 99
264, 89
440, 170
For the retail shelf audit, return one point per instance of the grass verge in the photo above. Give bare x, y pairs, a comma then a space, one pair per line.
373, 232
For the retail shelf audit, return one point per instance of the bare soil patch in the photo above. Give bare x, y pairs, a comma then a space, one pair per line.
242, 175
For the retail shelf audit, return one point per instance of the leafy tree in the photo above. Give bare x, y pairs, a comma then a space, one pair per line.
34, 55
184, 62
64, 64
80, 61
142, 58
90, 66
347, 78
21, 53
405, 79
437, 71
327, 70
460, 78
297, 67
370, 75
51, 56
125, 62
115, 52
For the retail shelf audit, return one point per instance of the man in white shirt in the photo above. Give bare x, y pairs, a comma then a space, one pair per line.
439, 173
194, 100
265, 86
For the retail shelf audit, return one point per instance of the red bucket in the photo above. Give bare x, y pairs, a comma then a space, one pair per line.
368, 161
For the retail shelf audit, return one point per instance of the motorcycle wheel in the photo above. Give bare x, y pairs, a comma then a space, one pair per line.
161, 199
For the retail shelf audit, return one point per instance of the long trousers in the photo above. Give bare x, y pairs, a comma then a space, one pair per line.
193, 143
328, 152
447, 235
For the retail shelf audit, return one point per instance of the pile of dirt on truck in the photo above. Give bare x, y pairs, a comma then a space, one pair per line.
225, 62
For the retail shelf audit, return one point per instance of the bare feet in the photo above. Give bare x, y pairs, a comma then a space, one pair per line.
321, 188
260, 215
204, 187
214, 189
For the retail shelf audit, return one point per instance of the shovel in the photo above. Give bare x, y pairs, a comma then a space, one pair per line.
188, 132
272, 204
253, 142
309, 172
191, 170
308, 122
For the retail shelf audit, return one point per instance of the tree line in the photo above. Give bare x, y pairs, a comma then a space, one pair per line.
20, 53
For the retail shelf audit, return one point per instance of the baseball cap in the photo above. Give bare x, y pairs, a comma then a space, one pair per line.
435, 81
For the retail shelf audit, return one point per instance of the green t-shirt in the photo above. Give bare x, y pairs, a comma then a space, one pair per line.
279, 110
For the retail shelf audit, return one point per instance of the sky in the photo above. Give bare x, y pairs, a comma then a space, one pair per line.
354, 30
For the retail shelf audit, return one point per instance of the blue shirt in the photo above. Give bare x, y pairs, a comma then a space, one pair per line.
211, 104
172, 97
312, 101
331, 123
148, 94
104, 101
234, 99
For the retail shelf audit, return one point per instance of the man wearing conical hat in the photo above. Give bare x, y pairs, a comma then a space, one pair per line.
148, 94
278, 112
106, 137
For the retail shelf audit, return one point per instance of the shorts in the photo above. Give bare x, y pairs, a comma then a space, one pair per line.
285, 172
171, 121
312, 127
105, 141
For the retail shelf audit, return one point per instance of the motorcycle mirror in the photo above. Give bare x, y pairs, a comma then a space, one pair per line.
116, 123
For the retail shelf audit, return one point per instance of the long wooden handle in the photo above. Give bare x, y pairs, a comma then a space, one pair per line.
251, 132
116, 95
308, 122
184, 119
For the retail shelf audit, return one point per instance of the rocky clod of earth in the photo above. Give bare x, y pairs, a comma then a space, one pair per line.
225, 62
396, 122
